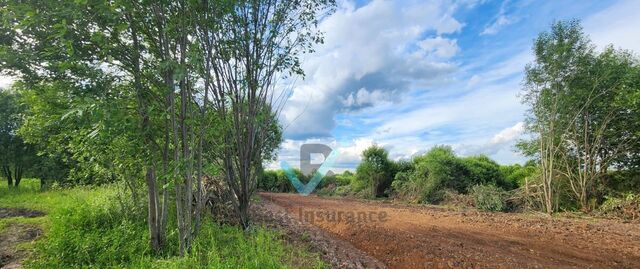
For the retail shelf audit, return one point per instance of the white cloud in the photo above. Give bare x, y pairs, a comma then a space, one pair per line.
496, 26
486, 106
508, 134
371, 55
440, 47
512, 66
501, 20
363, 98
500, 145
617, 25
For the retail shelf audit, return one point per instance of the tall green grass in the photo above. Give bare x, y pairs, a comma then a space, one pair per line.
95, 228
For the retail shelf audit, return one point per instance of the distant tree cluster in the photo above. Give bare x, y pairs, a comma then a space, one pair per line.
427, 178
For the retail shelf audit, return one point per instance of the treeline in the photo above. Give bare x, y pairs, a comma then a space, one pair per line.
177, 100
438, 176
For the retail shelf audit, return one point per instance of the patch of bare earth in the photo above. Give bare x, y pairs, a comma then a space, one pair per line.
426, 237
19, 212
336, 252
14, 234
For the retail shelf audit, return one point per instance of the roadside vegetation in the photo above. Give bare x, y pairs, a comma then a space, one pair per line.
146, 124
583, 141
100, 227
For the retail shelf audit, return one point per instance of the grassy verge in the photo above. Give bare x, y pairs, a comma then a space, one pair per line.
93, 227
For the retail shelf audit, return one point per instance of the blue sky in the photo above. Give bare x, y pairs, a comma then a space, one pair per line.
408, 75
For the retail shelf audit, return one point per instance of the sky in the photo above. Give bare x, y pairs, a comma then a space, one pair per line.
409, 75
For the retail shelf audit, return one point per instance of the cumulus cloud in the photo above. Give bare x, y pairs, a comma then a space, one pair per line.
372, 54
508, 134
438, 46
472, 111
505, 138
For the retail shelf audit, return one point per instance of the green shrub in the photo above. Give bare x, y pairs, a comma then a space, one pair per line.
88, 229
516, 175
482, 170
438, 169
277, 181
488, 198
626, 206
375, 171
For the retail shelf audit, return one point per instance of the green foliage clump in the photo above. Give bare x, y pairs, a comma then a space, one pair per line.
440, 169
516, 174
375, 171
276, 181
434, 171
488, 198
100, 228
482, 170
626, 206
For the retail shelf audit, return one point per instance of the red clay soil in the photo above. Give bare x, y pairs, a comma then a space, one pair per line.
403, 236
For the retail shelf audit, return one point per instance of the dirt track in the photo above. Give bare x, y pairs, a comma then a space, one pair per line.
425, 237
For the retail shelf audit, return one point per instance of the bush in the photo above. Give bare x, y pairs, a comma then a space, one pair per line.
277, 181
330, 184
92, 231
488, 198
516, 174
627, 206
375, 171
438, 169
482, 170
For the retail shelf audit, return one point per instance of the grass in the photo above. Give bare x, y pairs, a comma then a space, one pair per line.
92, 227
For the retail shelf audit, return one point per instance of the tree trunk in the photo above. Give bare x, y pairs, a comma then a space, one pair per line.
154, 230
7, 173
17, 175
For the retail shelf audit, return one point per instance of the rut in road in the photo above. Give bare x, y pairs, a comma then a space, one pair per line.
428, 237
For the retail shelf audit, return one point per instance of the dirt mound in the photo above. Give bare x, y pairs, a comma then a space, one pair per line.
425, 237
10, 237
19, 212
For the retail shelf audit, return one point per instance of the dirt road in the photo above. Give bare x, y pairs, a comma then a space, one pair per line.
425, 237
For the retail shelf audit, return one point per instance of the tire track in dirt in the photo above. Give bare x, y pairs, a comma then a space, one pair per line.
427, 237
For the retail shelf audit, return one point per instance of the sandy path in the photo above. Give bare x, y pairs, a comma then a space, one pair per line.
423, 237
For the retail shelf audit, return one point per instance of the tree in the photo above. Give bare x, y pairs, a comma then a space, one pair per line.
482, 170
15, 155
138, 89
376, 170
114, 51
601, 132
247, 46
579, 125
546, 83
